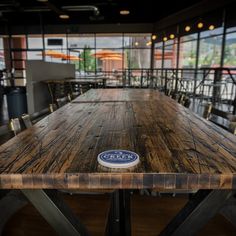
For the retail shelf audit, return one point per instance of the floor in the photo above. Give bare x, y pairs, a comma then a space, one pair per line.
149, 216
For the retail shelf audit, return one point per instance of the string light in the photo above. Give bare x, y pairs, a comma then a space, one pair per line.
124, 12
154, 37
211, 27
136, 43
200, 25
64, 16
172, 36
165, 39
187, 28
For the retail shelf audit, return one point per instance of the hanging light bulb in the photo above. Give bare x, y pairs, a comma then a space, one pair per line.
211, 27
187, 28
200, 25
136, 43
172, 36
165, 39
154, 37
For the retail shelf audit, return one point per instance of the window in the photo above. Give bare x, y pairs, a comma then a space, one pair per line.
187, 53
210, 52
35, 42
230, 50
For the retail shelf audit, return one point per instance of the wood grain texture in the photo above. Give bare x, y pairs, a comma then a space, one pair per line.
178, 149
118, 95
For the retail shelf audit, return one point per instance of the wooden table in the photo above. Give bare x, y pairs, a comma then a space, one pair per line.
178, 151
119, 95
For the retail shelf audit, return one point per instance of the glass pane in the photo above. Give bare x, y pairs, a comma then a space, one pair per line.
35, 41
187, 54
158, 58
34, 55
112, 41
84, 60
137, 41
159, 45
188, 37
2, 60
109, 60
210, 52
137, 58
209, 33
169, 42
1, 43
170, 54
231, 29
230, 50
56, 55
55, 41
81, 41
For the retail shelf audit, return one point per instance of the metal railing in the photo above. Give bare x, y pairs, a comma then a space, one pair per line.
216, 85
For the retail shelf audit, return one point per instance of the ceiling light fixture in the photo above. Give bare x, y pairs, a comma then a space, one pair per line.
211, 27
124, 12
187, 28
200, 25
165, 39
154, 37
172, 36
64, 16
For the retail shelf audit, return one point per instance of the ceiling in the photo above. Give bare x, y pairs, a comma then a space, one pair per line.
31, 12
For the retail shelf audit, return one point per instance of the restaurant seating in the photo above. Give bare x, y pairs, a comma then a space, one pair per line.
15, 126
184, 100
29, 120
52, 107
62, 101
220, 117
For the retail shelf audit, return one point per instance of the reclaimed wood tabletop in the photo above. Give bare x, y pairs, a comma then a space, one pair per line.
177, 148
115, 95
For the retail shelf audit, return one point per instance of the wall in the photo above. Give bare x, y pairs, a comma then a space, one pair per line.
38, 97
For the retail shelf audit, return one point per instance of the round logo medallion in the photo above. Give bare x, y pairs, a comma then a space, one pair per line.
118, 159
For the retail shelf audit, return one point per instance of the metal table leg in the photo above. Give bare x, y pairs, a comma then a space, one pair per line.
197, 212
119, 222
51, 206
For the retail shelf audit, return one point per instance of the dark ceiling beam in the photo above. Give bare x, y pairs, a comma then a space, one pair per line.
81, 29
189, 13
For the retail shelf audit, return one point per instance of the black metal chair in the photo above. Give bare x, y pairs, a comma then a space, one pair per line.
220, 117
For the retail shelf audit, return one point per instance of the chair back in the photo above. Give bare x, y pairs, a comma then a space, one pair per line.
26, 120
52, 107
62, 101
15, 126
213, 114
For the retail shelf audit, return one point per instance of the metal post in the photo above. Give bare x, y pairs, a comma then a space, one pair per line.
196, 69
177, 62
119, 222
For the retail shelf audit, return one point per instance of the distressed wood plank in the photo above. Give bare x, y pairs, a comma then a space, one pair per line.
177, 149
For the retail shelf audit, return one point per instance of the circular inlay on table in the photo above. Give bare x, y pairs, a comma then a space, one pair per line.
118, 159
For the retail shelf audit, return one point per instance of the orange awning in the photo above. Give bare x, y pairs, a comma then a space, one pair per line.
106, 53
